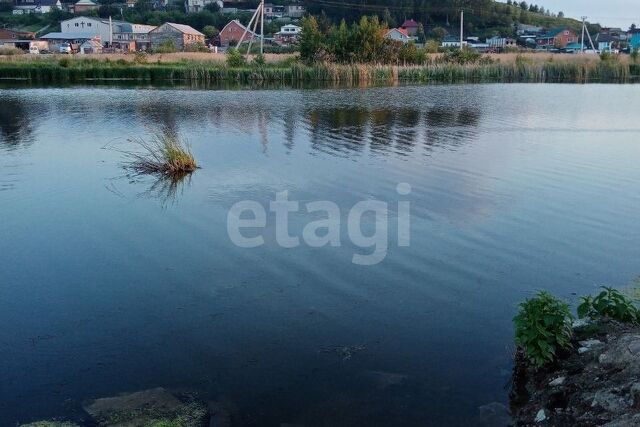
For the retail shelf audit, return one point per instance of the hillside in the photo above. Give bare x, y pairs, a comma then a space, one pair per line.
482, 17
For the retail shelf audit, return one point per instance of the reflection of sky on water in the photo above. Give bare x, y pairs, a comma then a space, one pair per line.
112, 284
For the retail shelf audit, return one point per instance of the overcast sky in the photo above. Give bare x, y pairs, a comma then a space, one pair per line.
609, 13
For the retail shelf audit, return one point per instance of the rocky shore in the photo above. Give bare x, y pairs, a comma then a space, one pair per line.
596, 383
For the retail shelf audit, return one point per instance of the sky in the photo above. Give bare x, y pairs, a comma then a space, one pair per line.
609, 13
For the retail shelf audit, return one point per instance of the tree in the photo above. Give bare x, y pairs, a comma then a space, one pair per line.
311, 39
210, 31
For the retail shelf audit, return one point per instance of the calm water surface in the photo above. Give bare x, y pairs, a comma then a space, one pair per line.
111, 283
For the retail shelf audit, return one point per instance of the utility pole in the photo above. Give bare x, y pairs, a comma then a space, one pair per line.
461, 29
584, 20
262, 28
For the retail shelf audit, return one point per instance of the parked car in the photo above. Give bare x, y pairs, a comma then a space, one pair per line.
34, 50
65, 48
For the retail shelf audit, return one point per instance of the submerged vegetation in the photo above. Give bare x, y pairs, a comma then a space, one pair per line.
165, 154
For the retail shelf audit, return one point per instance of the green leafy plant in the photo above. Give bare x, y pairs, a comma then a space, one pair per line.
543, 327
235, 59
609, 303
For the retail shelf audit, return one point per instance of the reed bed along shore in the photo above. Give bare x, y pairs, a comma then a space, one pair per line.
548, 69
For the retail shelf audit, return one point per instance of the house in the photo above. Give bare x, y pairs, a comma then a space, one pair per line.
398, 34
232, 33
451, 41
272, 11
35, 6
294, 11
633, 36
288, 34
132, 37
194, 6
501, 42
85, 6
556, 38
525, 30
88, 24
411, 27
605, 42
7, 34
476, 44
181, 35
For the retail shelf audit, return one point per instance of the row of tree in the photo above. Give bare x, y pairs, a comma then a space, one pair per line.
361, 42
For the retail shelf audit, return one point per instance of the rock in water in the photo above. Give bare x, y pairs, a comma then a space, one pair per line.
540, 416
144, 408
495, 414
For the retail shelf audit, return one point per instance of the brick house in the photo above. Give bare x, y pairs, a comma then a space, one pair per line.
411, 27
232, 32
557, 37
182, 35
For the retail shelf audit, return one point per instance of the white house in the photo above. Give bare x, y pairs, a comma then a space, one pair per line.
35, 6
288, 34
194, 6
398, 34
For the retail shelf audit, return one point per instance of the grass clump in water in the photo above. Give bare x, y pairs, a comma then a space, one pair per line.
164, 154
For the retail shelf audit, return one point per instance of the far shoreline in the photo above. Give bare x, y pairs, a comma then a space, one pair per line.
197, 68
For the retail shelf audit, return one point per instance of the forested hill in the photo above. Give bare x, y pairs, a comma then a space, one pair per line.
482, 17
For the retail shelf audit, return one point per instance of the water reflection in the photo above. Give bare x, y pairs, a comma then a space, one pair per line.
16, 122
348, 130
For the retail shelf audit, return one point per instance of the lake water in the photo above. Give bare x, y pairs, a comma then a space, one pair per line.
111, 283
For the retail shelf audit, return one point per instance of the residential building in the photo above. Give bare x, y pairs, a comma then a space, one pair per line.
85, 6
194, 6
524, 30
232, 33
181, 35
605, 42
411, 27
35, 6
633, 36
398, 34
295, 11
132, 37
288, 34
501, 42
273, 11
556, 38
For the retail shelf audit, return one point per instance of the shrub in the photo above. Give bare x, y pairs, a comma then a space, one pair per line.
10, 51
167, 46
543, 327
432, 46
609, 303
635, 53
235, 59
64, 62
259, 61
196, 47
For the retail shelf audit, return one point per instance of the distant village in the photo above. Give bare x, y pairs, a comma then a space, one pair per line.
88, 34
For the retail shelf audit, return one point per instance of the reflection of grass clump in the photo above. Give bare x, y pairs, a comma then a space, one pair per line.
164, 154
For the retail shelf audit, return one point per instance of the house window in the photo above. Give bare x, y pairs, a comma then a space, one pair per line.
566, 33
77, 25
88, 24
